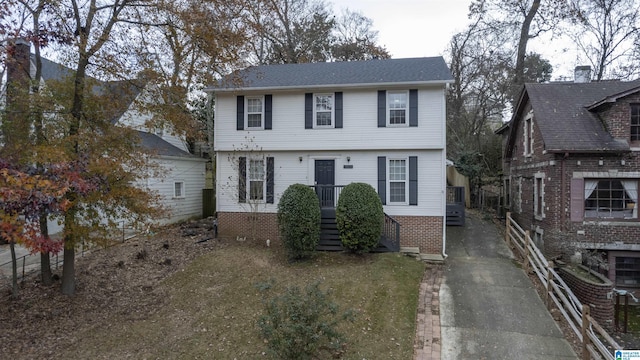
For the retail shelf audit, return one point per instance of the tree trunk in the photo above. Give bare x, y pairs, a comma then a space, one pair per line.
14, 269
69, 271
524, 39
45, 262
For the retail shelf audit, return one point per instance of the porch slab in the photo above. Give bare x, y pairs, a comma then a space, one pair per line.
433, 258
410, 250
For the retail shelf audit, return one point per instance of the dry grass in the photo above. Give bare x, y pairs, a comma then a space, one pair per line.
208, 307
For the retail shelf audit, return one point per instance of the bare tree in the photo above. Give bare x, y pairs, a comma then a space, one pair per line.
355, 38
605, 33
290, 31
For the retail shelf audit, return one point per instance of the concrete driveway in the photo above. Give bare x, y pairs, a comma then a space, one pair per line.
489, 308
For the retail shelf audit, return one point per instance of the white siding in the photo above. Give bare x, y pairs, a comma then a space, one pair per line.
192, 174
360, 125
289, 169
138, 119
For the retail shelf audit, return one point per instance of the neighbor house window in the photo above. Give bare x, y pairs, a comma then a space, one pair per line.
627, 271
398, 186
178, 189
528, 136
538, 201
256, 179
323, 110
255, 112
635, 122
397, 106
611, 198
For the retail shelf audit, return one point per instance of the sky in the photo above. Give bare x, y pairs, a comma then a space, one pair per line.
419, 28
413, 28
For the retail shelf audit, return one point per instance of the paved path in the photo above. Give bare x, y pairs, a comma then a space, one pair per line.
489, 308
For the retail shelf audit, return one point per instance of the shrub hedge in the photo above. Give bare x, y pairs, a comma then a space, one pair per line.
360, 217
299, 220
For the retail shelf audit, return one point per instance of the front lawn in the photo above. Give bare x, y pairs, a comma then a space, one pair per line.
209, 308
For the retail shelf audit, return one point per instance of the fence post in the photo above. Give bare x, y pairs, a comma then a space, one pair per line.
527, 240
585, 325
549, 289
508, 232
24, 260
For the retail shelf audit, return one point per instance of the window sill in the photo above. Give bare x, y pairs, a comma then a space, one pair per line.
613, 222
324, 127
178, 197
539, 217
398, 125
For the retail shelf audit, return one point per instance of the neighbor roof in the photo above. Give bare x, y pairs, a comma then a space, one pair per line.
161, 147
342, 73
563, 117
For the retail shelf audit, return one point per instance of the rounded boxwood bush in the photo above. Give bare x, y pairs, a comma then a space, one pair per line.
299, 220
360, 217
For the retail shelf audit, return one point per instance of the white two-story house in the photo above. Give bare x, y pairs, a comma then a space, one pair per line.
380, 122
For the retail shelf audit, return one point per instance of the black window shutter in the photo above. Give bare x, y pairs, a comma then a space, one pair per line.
268, 104
413, 107
382, 108
270, 164
338, 110
413, 180
242, 179
382, 179
308, 111
240, 113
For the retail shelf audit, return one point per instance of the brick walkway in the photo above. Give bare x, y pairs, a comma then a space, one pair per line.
427, 342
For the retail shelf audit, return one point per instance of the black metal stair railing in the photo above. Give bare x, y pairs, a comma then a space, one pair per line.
329, 237
390, 238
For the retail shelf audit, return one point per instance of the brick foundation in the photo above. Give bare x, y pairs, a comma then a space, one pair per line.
424, 232
592, 293
233, 224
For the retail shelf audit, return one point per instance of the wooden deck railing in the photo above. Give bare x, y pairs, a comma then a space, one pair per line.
596, 343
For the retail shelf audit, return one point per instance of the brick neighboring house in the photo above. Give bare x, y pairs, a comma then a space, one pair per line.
571, 169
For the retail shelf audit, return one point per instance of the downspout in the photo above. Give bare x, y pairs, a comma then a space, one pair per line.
563, 192
444, 179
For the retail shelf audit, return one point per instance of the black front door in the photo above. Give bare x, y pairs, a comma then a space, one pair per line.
325, 180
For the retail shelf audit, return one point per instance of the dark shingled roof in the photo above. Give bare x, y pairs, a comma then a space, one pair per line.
342, 73
159, 146
562, 116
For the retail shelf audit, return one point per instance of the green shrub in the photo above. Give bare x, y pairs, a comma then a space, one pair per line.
299, 220
301, 324
360, 217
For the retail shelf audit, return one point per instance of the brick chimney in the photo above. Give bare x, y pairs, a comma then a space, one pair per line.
582, 74
16, 122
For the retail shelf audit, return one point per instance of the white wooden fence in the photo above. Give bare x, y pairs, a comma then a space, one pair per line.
596, 343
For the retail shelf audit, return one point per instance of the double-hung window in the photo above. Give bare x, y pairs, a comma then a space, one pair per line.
178, 189
635, 122
256, 179
255, 112
397, 107
398, 181
323, 110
